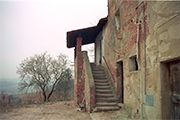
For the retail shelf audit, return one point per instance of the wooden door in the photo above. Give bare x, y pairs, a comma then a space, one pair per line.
120, 86
174, 72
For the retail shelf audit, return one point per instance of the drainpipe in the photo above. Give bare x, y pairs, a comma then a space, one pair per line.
139, 66
138, 51
144, 59
138, 46
144, 45
144, 49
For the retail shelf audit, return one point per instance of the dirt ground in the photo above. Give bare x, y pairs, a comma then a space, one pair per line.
64, 110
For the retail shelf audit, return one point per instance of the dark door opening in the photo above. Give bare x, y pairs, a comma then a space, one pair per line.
120, 84
100, 60
174, 76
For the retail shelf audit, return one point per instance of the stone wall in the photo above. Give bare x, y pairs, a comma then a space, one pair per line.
159, 41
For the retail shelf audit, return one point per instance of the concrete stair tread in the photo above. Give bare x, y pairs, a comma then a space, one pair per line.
104, 95
106, 108
103, 87
103, 90
105, 100
99, 80
102, 84
95, 68
106, 104
102, 99
98, 72
100, 76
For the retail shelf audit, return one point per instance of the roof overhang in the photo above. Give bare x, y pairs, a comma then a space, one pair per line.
88, 34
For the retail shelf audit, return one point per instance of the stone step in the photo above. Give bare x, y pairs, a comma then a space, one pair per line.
97, 69
95, 66
102, 87
106, 104
100, 78
102, 84
102, 99
106, 95
98, 72
105, 100
106, 108
104, 91
99, 75
101, 81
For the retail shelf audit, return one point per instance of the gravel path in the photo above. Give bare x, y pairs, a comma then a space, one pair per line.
65, 110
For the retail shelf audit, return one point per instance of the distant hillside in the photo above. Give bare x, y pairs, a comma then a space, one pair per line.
9, 85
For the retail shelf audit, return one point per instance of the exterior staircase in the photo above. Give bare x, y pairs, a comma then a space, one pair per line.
105, 99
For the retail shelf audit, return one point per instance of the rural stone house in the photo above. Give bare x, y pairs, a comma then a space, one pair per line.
137, 60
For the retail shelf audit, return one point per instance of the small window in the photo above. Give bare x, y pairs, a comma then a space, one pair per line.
133, 65
118, 19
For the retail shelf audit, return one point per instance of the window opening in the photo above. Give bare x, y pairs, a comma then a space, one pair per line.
133, 65
118, 19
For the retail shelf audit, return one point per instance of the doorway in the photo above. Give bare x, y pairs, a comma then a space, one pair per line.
120, 84
174, 77
98, 51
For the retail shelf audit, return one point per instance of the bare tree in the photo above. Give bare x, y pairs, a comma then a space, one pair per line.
65, 87
42, 72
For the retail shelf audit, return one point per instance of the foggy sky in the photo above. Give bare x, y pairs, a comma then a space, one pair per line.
33, 27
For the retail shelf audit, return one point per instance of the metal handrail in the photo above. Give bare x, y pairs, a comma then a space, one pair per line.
109, 68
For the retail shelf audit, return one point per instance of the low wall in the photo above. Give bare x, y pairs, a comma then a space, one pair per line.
89, 83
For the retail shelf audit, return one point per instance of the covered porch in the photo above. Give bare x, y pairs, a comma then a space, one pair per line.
84, 83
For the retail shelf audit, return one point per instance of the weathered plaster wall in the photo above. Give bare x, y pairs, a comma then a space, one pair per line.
89, 84
142, 88
162, 46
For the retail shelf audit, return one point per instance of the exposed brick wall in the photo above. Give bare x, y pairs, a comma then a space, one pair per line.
158, 43
84, 83
121, 44
79, 77
92, 98
161, 28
